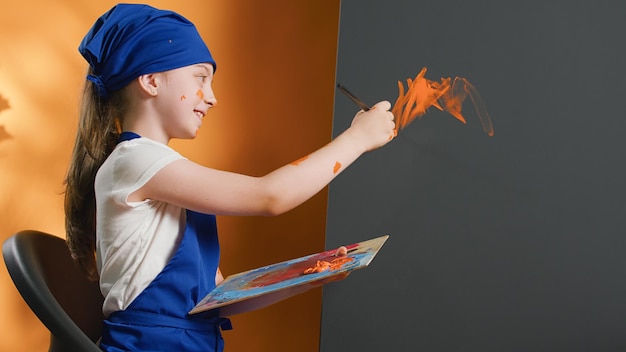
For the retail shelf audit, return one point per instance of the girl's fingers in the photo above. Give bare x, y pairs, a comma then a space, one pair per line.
341, 252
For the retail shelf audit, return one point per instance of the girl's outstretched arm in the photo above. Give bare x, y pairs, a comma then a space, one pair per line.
212, 191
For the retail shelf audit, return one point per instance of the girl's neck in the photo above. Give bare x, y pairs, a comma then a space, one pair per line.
145, 128
142, 116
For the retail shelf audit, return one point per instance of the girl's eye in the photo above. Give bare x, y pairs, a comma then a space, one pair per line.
202, 78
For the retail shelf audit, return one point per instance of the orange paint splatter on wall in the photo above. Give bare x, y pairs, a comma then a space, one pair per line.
447, 95
297, 162
200, 94
336, 167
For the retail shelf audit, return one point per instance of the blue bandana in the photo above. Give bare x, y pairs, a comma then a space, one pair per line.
132, 40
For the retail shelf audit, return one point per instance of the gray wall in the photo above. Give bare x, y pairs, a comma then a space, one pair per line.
515, 242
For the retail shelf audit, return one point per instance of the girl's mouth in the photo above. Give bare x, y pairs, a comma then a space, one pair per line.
199, 113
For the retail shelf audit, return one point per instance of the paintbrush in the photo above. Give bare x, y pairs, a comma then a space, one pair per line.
352, 97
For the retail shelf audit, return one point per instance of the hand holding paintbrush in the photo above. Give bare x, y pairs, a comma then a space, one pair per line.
363, 106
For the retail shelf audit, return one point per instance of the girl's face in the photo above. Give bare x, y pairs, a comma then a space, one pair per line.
185, 95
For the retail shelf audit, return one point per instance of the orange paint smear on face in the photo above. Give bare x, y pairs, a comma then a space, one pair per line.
200, 94
447, 95
336, 167
182, 97
297, 162
323, 265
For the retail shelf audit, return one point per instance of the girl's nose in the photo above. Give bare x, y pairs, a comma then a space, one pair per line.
209, 98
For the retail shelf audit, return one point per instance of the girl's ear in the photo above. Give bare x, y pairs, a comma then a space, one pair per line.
149, 83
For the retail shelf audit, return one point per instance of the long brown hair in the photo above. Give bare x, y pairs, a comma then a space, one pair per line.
98, 130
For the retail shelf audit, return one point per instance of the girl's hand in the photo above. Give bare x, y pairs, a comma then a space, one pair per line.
341, 252
374, 128
218, 277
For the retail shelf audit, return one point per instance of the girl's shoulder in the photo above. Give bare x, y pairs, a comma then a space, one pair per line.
137, 158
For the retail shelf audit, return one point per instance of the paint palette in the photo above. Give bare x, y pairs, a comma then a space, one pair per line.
257, 288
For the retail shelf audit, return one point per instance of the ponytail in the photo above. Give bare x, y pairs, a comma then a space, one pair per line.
99, 127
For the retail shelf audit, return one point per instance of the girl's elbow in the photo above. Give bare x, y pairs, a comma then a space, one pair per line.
276, 205
277, 200
274, 209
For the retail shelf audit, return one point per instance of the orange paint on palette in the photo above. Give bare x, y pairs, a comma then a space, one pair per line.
297, 162
447, 95
336, 167
322, 265
200, 94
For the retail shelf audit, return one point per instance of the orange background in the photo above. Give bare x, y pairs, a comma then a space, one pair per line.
275, 87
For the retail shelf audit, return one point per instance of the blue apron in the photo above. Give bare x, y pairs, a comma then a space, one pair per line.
157, 319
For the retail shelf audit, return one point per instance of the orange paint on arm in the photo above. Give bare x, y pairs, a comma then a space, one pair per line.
336, 167
297, 162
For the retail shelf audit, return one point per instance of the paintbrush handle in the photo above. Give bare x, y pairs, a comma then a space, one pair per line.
352, 97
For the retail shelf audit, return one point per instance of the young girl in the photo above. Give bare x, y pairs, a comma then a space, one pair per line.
147, 212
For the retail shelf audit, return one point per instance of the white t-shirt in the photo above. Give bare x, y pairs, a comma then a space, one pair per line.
135, 240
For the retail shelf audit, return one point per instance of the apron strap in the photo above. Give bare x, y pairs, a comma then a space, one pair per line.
127, 136
152, 319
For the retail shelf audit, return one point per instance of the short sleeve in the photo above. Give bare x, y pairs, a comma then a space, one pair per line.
132, 164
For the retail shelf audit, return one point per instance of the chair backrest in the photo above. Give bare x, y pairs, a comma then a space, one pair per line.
65, 301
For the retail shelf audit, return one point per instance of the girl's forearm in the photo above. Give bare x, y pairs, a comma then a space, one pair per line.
294, 183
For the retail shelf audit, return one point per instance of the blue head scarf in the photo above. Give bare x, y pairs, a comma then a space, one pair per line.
131, 40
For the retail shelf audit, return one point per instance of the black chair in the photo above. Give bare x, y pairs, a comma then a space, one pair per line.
65, 301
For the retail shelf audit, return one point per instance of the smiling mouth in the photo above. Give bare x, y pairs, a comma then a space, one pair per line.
198, 113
